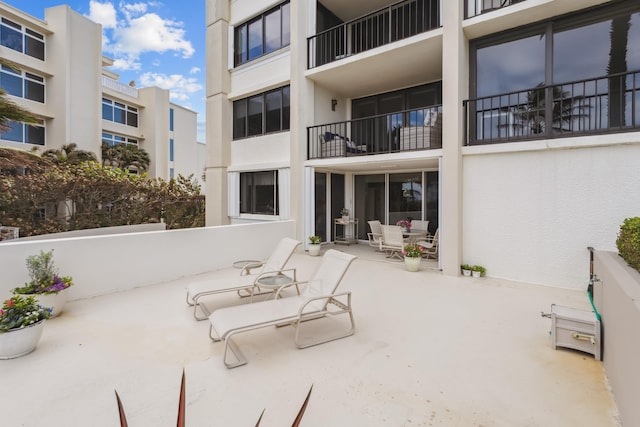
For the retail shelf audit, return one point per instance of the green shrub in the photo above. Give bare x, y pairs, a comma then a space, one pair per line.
628, 242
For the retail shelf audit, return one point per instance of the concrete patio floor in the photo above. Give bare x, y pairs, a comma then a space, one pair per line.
429, 350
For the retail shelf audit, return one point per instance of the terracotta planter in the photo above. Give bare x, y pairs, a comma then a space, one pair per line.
55, 301
18, 342
412, 263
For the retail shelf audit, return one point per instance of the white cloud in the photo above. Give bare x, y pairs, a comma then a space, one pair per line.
151, 33
179, 86
103, 13
194, 70
137, 31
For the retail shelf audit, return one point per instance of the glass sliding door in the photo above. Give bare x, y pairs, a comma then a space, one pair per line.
369, 201
390, 197
405, 196
320, 206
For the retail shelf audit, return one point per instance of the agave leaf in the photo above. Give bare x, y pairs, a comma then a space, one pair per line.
260, 419
181, 408
123, 417
296, 422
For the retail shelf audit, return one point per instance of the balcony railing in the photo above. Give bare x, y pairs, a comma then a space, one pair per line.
119, 87
419, 129
478, 7
605, 104
396, 22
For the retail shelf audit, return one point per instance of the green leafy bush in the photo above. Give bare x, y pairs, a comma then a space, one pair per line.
628, 242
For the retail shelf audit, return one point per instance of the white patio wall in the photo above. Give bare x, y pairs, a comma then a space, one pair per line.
113, 263
530, 215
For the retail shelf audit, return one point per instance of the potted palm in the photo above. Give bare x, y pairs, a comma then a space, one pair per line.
46, 285
412, 256
314, 245
21, 322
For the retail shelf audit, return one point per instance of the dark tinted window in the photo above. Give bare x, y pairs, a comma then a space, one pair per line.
263, 34
274, 111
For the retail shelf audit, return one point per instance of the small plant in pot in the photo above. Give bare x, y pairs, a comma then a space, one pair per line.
314, 245
412, 256
45, 283
21, 323
478, 270
466, 270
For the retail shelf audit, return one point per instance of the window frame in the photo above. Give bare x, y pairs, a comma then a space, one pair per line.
32, 86
242, 41
30, 40
254, 196
243, 127
28, 131
119, 112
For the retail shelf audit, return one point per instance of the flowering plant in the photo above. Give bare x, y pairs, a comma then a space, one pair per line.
413, 251
404, 223
19, 312
44, 276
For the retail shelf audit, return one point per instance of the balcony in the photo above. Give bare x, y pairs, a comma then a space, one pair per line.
602, 105
410, 130
392, 23
478, 7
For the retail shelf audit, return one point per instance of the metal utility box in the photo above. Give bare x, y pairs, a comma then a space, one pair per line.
576, 329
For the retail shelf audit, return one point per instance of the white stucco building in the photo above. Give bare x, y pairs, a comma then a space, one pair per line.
65, 81
511, 126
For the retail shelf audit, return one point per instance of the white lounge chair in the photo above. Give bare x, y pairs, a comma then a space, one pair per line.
318, 299
247, 281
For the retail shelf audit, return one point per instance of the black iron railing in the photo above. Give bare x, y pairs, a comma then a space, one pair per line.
478, 7
605, 104
419, 129
396, 22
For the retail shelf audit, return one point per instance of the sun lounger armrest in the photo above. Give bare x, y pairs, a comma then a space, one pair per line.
247, 268
331, 299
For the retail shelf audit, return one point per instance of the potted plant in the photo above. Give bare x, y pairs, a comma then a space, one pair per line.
478, 270
314, 245
21, 323
45, 284
405, 224
466, 270
412, 256
345, 214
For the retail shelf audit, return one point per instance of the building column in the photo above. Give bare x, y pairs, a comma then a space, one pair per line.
302, 111
454, 91
218, 112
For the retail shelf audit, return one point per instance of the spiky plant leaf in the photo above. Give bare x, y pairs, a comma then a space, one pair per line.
123, 417
296, 422
181, 407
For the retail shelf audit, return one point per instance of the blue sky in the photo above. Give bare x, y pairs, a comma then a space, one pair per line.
155, 43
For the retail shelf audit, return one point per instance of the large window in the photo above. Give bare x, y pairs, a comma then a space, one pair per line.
24, 133
263, 113
22, 84
16, 37
576, 74
263, 34
259, 193
112, 139
118, 112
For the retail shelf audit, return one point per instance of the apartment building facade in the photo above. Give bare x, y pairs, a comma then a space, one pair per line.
513, 127
65, 81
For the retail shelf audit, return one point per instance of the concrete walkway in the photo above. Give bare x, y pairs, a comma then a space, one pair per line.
429, 350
